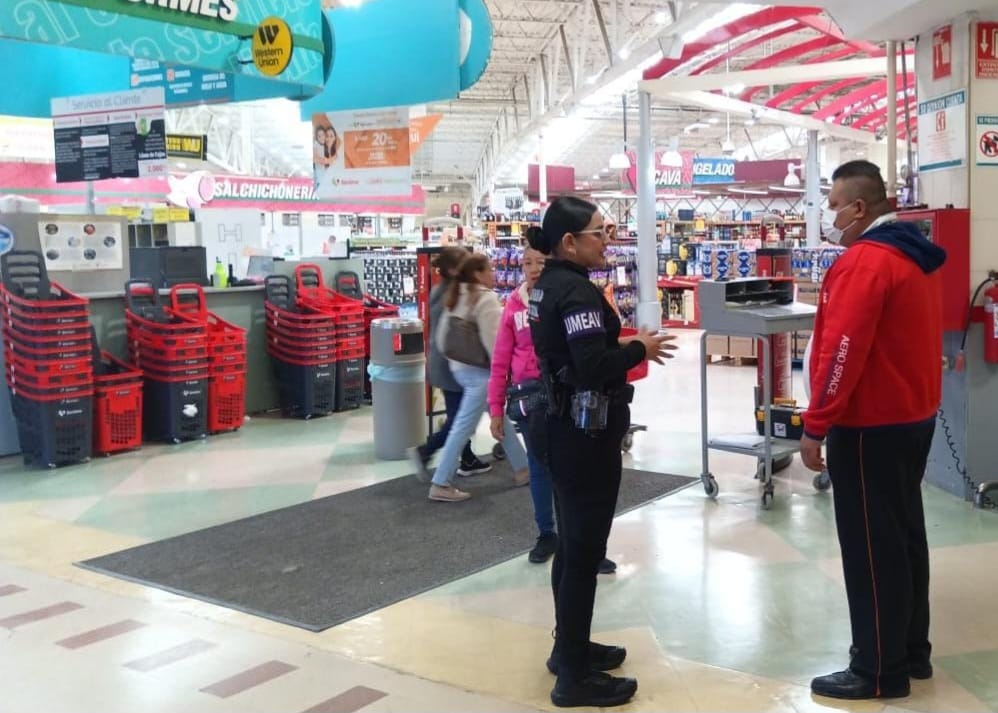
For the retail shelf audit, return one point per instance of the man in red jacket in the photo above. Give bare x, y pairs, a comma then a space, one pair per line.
876, 381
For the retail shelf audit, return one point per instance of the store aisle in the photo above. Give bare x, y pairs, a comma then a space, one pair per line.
722, 606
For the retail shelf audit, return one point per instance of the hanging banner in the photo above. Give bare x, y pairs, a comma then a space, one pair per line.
361, 153
708, 171
117, 135
420, 128
193, 146
674, 179
87, 47
184, 86
420, 51
25, 138
942, 132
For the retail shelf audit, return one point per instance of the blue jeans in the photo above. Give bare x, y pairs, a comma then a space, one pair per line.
474, 383
452, 402
542, 494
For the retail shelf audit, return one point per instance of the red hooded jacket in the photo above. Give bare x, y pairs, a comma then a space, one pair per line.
876, 355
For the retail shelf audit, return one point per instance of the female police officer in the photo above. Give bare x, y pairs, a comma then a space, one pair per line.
584, 367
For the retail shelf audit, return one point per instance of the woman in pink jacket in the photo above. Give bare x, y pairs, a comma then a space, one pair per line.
515, 368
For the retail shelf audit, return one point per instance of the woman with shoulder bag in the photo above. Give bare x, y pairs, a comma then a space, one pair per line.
467, 338
446, 262
515, 390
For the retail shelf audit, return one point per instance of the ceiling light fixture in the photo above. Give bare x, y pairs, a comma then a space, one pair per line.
661, 17
620, 160
713, 120
748, 191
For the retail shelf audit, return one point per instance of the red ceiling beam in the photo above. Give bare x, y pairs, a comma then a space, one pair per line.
851, 108
878, 117
840, 105
728, 33
833, 88
745, 46
798, 89
828, 27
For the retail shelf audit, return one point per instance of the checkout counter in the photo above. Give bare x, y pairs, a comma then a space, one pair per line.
242, 306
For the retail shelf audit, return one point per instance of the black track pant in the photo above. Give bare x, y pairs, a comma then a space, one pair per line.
877, 477
585, 472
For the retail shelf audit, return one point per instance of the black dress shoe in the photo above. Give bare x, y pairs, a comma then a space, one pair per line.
852, 686
596, 690
920, 670
601, 658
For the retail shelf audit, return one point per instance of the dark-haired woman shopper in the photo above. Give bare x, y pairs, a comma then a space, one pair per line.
584, 367
446, 263
470, 298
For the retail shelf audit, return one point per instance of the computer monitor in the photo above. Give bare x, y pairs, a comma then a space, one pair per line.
259, 267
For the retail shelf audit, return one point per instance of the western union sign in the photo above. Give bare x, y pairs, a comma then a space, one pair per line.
187, 146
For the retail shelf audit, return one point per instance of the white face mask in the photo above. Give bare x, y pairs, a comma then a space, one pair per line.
828, 218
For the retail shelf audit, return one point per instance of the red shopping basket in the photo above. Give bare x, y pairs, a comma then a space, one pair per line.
226, 401
117, 406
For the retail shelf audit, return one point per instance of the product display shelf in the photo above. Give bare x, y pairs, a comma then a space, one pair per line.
620, 274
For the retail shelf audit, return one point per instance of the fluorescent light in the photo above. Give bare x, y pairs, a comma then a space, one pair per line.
699, 192
748, 191
736, 88
620, 161
595, 176
750, 122
787, 189
624, 53
713, 120
696, 125
661, 17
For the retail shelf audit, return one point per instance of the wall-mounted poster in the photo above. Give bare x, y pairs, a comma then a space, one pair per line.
361, 153
82, 245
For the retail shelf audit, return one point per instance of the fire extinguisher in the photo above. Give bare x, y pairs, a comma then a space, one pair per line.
990, 322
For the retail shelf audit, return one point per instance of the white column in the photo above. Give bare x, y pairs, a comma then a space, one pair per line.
892, 119
542, 172
649, 314
812, 198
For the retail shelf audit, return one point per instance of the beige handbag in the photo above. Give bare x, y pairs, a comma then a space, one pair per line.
463, 343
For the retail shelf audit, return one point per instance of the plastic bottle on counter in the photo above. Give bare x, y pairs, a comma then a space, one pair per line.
221, 276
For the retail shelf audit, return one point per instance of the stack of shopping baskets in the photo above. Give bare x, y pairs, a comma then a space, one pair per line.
49, 363
301, 341
117, 404
226, 358
348, 325
171, 350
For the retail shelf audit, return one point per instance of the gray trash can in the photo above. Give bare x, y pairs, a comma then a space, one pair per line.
398, 386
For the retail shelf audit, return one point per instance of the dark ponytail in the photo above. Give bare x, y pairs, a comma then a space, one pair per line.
566, 214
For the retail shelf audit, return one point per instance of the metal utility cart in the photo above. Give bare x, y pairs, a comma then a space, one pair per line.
756, 308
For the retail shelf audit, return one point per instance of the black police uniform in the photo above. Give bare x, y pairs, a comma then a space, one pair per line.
573, 326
